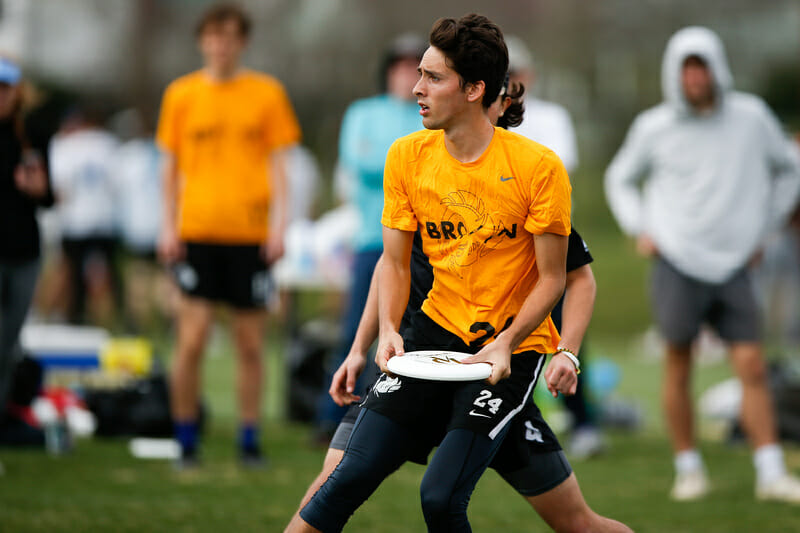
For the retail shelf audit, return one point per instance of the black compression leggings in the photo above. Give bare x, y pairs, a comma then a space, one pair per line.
448, 483
377, 447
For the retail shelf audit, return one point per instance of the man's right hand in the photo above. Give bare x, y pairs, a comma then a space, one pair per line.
344, 380
170, 248
389, 345
30, 176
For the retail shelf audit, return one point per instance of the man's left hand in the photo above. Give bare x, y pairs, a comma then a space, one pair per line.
561, 375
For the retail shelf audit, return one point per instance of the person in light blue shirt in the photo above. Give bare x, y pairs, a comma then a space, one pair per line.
369, 128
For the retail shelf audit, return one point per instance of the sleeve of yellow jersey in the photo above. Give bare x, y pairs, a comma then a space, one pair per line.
397, 211
283, 129
549, 210
167, 134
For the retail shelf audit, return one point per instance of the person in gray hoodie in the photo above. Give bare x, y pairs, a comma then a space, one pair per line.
700, 181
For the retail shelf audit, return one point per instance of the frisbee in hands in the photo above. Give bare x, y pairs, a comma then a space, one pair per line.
438, 365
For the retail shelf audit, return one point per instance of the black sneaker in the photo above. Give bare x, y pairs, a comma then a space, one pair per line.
252, 458
188, 461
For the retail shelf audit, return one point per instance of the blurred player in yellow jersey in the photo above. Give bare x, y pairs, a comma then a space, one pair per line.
225, 131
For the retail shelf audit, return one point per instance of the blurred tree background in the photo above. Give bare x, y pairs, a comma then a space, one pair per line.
600, 59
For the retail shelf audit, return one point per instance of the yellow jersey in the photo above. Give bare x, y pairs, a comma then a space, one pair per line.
221, 134
477, 222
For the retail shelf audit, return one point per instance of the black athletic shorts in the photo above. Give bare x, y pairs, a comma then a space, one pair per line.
231, 274
432, 408
530, 458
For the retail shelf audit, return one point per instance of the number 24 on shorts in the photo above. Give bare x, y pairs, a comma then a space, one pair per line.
483, 400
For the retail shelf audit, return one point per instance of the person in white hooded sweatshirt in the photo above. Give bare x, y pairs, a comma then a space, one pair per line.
699, 182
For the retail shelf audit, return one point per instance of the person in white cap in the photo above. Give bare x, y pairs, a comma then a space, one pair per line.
718, 176
551, 125
545, 122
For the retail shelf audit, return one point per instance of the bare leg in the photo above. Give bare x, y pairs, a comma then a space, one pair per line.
676, 397
194, 320
565, 510
248, 328
758, 417
298, 525
332, 458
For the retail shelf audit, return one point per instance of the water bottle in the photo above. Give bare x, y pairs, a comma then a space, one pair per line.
56, 437
56, 434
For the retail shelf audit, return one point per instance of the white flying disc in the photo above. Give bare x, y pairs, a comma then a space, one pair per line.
144, 448
438, 365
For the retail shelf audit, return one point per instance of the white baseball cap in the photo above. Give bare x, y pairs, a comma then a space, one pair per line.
519, 56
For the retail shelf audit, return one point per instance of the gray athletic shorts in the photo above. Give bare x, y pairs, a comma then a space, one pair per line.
345, 428
682, 304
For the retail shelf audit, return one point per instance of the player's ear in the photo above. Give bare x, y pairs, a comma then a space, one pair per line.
475, 91
505, 105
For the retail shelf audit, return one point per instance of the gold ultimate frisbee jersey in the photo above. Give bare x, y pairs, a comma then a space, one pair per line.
221, 134
477, 222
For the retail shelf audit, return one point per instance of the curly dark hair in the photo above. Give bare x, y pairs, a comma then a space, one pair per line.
475, 48
512, 116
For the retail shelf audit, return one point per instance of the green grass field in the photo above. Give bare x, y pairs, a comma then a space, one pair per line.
101, 487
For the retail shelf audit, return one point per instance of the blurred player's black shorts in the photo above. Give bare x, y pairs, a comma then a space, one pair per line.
231, 274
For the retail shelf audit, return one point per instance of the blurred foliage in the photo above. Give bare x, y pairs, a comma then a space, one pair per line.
621, 308
781, 90
599, 59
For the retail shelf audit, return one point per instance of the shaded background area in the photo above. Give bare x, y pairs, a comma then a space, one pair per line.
601, 60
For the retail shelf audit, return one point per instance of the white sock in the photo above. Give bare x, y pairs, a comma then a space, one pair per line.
768, 460
688, 461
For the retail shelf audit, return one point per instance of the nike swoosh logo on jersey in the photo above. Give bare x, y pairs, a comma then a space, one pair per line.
473, 413
506, 179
